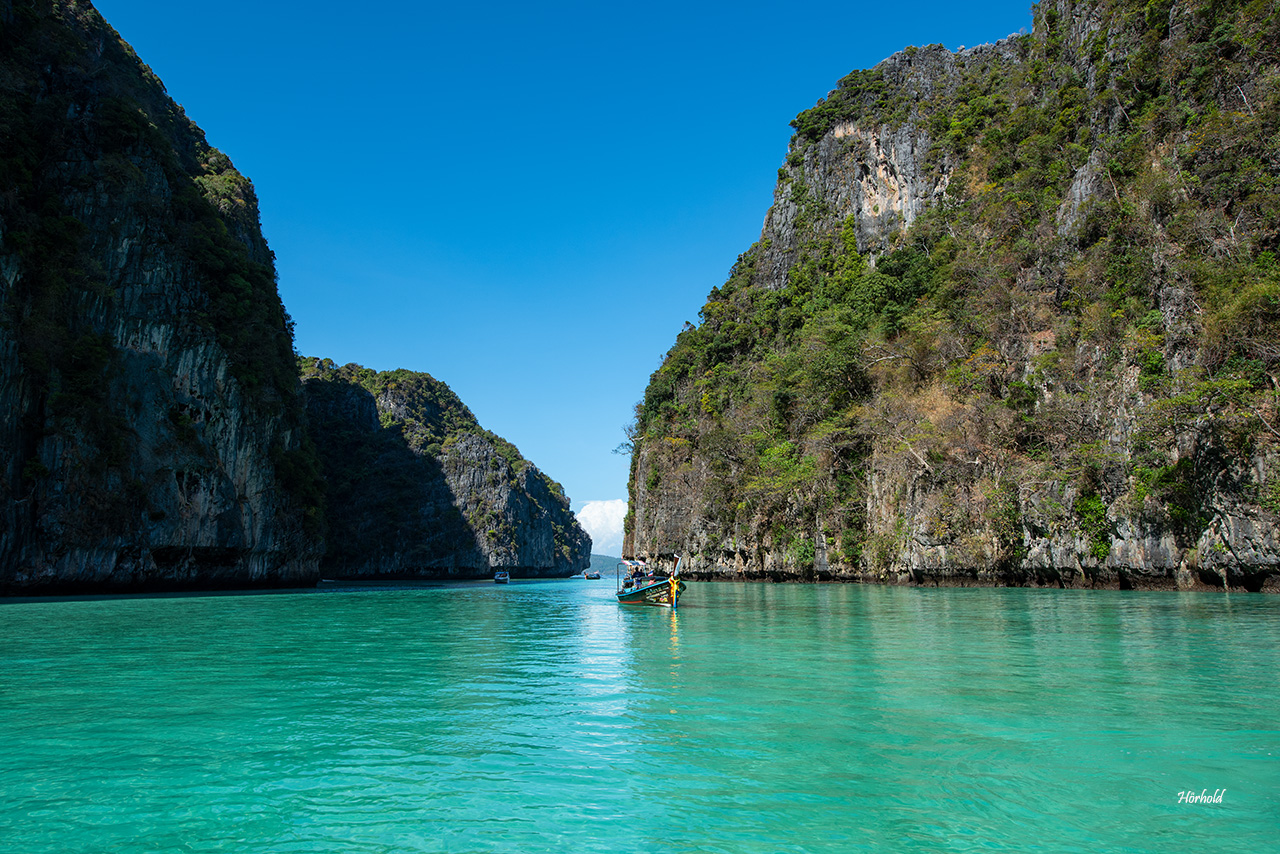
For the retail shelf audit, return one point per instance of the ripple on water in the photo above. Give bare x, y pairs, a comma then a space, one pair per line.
541, 716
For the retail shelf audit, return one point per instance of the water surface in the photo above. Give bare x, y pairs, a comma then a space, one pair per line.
541, 716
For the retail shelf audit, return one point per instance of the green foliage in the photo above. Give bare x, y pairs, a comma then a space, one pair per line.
1181, 494
803, 552
851, 546
1243, 317
243, 309
882, 548
1005, 520
426, 413
781, 471
1269, 497
1091, 513
859, 94
652, 480
817, 321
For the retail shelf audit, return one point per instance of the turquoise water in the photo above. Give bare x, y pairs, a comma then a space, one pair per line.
540, 716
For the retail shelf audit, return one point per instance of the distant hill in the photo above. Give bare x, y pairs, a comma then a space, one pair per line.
415, 487
604, 563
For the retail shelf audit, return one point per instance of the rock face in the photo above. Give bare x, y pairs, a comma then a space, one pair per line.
1011, 320
417, 489
150, 421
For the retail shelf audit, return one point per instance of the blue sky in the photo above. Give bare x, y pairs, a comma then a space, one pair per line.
526, 201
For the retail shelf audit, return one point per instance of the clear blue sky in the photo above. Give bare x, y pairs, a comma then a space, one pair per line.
525, 200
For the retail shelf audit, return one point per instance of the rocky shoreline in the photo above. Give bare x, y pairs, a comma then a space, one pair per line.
1082, 579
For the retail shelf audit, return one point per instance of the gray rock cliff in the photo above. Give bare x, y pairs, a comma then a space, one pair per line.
1010, 320
149, 415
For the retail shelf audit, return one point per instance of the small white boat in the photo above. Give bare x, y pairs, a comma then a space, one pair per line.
502, 578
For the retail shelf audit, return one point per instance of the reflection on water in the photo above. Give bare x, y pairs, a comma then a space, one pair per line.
543, 716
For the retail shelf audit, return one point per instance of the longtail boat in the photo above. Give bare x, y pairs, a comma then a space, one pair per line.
642, 586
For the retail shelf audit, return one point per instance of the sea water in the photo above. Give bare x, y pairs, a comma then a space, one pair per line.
542, 716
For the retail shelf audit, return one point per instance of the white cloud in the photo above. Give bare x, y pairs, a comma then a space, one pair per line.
603, 521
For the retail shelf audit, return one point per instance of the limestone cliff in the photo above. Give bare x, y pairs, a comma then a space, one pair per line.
417, 489
1011, 320
150, 421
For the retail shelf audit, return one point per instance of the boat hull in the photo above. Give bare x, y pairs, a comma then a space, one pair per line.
665, 594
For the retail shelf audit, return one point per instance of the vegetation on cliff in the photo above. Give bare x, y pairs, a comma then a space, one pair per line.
122, 120
1103, 242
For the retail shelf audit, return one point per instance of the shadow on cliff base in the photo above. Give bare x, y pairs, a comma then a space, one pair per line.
391, 512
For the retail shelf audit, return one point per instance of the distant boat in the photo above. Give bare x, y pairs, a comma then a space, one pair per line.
643, 586
592, 574
502, 578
